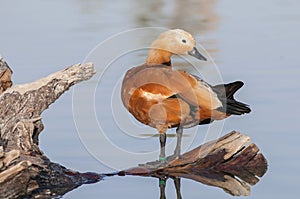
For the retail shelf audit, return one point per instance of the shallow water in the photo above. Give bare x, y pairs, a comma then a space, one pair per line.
253, 41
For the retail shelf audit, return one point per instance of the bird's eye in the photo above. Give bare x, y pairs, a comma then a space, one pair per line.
183, 41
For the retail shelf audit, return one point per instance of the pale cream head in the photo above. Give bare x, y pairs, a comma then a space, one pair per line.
175, 41
171, 42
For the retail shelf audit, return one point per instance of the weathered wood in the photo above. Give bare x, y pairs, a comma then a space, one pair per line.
216, 163
24, 169
22, 105
5, 76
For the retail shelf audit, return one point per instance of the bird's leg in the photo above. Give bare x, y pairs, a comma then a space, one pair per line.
162, 187
179, 132
177, 187
162, 139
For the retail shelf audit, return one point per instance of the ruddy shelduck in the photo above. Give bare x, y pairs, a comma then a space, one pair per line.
161, 97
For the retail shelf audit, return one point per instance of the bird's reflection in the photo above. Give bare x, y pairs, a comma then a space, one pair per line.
162, 186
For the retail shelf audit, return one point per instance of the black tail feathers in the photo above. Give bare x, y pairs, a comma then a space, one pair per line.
225, 93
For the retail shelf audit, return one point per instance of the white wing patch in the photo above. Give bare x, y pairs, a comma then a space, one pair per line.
153, 96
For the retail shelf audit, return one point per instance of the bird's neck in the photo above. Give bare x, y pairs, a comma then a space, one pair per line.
158, 56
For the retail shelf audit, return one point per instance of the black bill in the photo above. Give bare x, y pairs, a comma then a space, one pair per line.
195, 53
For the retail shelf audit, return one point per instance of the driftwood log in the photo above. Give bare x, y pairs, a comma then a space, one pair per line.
231, 162
24, 169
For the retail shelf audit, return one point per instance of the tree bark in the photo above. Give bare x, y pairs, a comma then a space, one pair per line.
5, 76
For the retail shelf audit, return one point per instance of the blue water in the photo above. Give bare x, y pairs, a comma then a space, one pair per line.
253, 41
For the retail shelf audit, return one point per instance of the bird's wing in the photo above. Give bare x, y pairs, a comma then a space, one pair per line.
193, 90
162, 82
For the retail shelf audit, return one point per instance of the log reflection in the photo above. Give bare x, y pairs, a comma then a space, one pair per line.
230, 184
